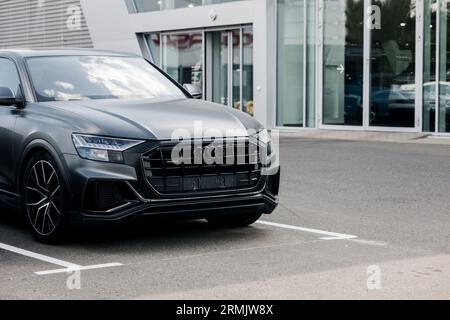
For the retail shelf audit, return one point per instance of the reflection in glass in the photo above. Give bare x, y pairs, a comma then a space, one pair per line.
220, 67
393, 91
154, 43
247, 72
311, 65
154, 5
444, 69
343, 62
182, 57
146, 5
236, 36
8, 75
429, 66
291, 41
224, 52
296, 87
65, 78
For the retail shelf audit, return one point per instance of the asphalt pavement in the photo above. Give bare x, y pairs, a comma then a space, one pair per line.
357, 220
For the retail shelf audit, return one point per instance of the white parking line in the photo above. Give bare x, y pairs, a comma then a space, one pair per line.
79, 268
38, 256
329, 235
68, 266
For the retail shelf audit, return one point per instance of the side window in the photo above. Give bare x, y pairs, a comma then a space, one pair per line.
8, 75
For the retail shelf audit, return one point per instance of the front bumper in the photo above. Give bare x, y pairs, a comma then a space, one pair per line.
144, 203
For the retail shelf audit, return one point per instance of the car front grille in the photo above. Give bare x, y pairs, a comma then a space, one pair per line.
238, 167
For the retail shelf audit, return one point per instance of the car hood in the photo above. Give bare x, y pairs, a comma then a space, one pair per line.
155, 119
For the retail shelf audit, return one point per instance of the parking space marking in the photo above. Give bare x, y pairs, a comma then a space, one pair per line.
38, 256
79, 268
68, 266
328, 235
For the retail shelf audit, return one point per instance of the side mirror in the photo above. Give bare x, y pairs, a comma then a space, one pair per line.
7, 98
194, 90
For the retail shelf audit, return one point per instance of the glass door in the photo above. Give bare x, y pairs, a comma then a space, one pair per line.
436, 84
371, 75
247, 70
343, 62
429, 65
229, 67
443, 119
218, 68
218, 62
236, 69
180, 54
393, 65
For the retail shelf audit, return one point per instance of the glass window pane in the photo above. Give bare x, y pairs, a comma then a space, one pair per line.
205, 2
429, 67
220, 67
393, 63
311, 65
291, 42
65, 78
130, 6
236, 34
182, 57
444, 69
9, 77
153, 5
343, 62
147, 5
247, 75
154, 45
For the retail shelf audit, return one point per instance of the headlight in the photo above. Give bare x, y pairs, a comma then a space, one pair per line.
102, 148
264, 138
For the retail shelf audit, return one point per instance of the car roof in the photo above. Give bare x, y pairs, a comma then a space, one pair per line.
26, 53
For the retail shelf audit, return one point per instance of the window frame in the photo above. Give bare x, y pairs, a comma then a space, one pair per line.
19, 76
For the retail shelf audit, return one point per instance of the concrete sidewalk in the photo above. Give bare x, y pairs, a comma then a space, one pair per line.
397, 137
418, 278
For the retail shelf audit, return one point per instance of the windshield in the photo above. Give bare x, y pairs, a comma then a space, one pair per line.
65, 78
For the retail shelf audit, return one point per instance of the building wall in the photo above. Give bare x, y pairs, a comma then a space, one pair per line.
43, 23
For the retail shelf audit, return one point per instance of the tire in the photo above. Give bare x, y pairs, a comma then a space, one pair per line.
234, 220
45, 199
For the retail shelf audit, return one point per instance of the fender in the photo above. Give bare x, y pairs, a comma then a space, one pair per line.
42, 144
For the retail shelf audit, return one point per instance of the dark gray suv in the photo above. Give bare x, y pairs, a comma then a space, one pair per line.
89, 136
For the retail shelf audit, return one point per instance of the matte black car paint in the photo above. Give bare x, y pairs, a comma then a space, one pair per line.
49, 126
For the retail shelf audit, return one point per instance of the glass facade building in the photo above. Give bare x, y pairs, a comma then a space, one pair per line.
296, 59
217, 62
328, 64
436, 76
380, 64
